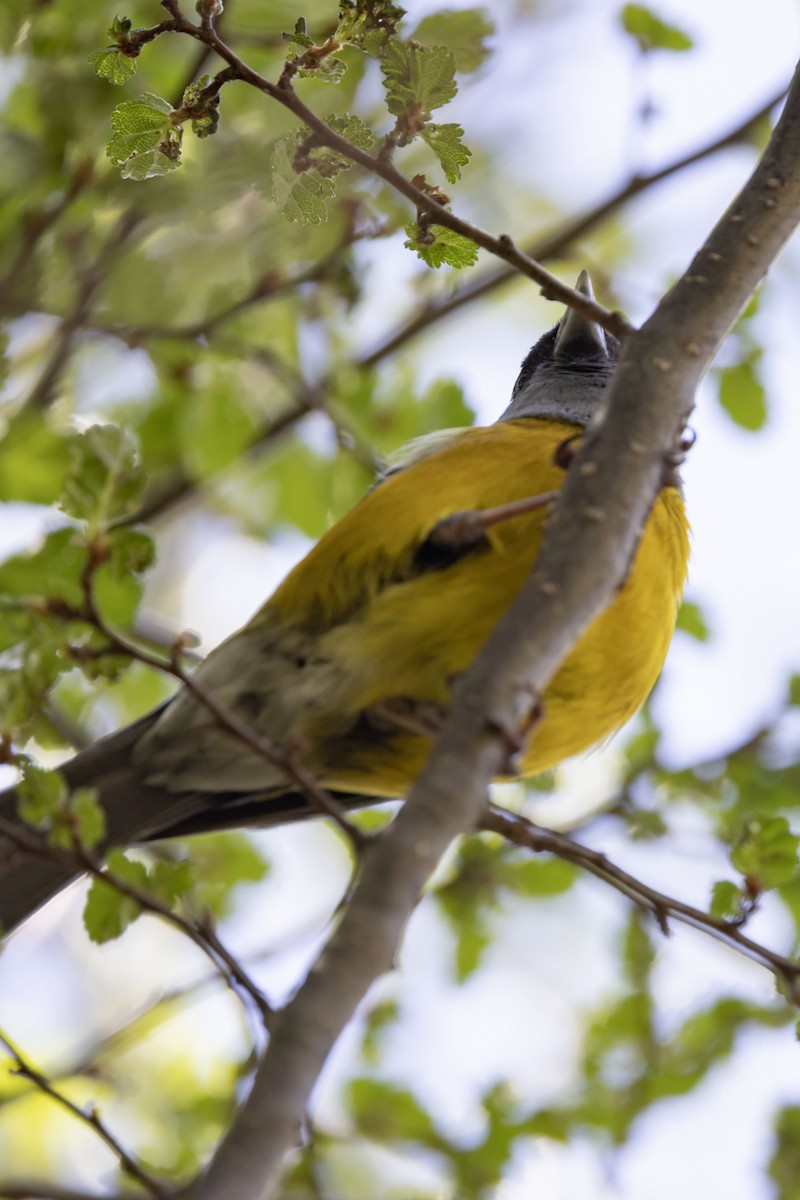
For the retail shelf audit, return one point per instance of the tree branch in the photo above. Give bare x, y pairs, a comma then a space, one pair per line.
581, 564
522, 832
557, 243
501, 246
51, 1191
89, 1117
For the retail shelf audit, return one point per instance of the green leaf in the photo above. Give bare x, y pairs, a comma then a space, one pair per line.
41, 795
440, 246
741, 394
108, 912
112, 65
33, 459
105, 479
651, 32
53, 570
692, 621
767, 852
118, 582
794, 691
464, 31
368, 24
387, 1113
379, 1018
638, 954
354, 130
120, 27
416, 77
471, 943
220, 863
727, 900
445, 142
784, 1165
169, 880
299, 39
300, 197
145, 142
89, 818
206, 122
534, 877
215, 429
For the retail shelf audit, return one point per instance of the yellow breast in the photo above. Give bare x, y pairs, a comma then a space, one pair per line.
376, 627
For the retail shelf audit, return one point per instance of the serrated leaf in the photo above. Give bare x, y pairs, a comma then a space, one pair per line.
692, 621
445, 247
112, 65
108, 912
145, 142
368, 24
464, 31
445, 142
742, 395
767, 852
299, 39
353, 129
300, 197
418, 77
329, 70
105, 480
651, 32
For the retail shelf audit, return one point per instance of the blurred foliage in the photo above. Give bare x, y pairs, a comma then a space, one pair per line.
176, 348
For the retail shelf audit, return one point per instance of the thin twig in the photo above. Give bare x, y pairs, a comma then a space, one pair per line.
89, 1117
36, 1190
82, 860
436, 213
92, 279
557, 243
522, 832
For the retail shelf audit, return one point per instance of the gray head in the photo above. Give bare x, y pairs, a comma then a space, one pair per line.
565, 374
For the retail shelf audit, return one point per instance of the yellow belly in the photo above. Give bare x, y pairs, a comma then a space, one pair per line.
382, 635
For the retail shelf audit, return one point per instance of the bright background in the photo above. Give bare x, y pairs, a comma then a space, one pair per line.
552, 116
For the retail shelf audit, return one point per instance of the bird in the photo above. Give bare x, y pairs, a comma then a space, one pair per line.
352, 660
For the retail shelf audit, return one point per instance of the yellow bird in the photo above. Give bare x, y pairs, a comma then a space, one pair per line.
351, 661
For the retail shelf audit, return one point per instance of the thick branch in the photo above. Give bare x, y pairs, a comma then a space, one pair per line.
581, 564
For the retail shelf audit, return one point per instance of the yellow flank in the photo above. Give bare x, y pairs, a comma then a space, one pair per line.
379, 628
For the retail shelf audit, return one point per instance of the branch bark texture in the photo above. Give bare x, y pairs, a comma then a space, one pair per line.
581, 564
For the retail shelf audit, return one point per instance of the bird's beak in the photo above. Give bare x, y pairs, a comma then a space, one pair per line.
575, 327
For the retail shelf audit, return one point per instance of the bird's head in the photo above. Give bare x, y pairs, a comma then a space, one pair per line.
564, 375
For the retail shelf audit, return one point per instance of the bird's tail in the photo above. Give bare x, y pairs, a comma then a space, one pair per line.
134, 813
